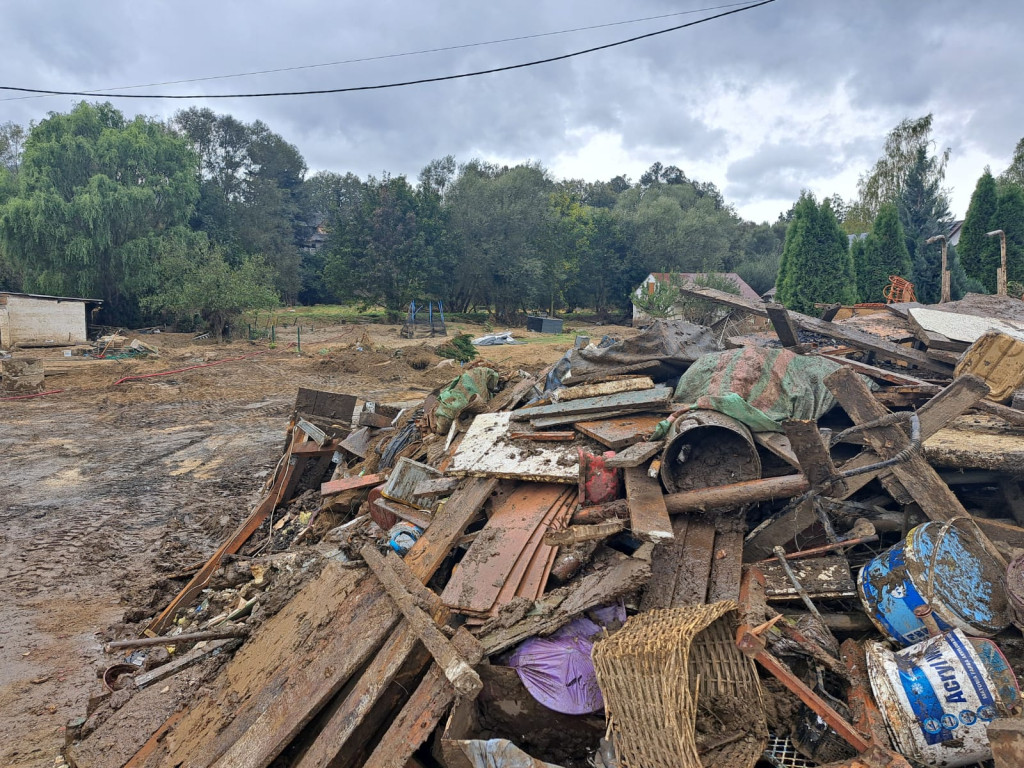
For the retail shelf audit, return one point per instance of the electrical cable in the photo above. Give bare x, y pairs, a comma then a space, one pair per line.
382, 57
382, 86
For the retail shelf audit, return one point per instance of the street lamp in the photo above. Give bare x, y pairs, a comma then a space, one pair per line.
945, 272
1001, 272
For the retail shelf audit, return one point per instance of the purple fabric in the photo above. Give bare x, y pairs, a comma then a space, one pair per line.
557, 670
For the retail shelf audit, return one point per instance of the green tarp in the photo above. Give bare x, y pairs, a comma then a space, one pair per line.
457, 395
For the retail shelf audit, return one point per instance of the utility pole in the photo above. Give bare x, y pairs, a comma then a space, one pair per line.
945, 296
1001, 272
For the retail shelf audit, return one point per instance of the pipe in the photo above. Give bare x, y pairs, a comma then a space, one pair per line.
189, 368
37, 394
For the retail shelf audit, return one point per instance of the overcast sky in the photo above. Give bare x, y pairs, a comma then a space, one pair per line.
792, 95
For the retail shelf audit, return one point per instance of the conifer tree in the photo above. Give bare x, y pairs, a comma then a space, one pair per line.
885, 254
980, 254
816, 262
1010, 218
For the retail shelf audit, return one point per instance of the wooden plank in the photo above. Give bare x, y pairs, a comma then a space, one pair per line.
510, 396
623, 401
620, 432
198, 582
454, 666
492, 559
890, 377
964, 392
486, 451
182, 662
827, 576
423, 711
783, 325
779, 445
448, 525
664, 566
544, 437
342, 484
815, 461
581, 391
623, 577
648, 514
374, 420
442, 486
572, 419
635, 455
694, 571
727, 565
418, 517
934, 497
853, 336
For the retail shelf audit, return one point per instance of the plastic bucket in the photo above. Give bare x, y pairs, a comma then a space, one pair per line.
937, 697
944, 566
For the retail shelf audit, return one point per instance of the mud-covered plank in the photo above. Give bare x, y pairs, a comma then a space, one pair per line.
635, 455
648, 514
620, 432
635, 401
727, 564
423, 711
694, 571
342, 484
664, 566
783, 325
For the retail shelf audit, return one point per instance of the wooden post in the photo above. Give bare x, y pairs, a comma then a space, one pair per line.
946, 295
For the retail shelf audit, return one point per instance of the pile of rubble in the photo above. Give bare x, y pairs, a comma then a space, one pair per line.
672, 550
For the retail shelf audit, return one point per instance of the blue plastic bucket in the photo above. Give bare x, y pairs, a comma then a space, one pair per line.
949, 564
938, 697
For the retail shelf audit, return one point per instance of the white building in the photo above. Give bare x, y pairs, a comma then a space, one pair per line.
29, 320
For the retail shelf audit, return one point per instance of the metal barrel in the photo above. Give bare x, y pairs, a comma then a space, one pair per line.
707, 448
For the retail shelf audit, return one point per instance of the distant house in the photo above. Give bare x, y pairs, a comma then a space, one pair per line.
650, 283
30, 320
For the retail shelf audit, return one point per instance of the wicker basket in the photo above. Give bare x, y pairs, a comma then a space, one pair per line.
666, 671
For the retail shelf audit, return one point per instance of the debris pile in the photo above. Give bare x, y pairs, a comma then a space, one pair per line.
672, 550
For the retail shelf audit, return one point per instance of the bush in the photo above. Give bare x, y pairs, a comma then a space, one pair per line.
459, 348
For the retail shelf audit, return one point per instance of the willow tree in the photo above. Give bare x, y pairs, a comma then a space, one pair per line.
95, 193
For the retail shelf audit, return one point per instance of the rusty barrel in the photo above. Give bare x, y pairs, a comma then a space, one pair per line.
941, 565
938, 697
707, 449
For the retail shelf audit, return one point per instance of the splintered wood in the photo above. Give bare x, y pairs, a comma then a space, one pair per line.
648, 514
509, 557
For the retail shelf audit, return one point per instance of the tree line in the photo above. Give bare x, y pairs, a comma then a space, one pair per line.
202, 216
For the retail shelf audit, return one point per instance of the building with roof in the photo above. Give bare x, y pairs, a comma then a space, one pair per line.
33, 320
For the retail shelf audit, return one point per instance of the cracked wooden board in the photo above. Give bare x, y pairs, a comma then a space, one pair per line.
487, 451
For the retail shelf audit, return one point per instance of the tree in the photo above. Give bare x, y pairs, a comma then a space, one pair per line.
1014, 173
886, 180
980, 254
924, 213
12, 146
250, 192
884, 254
816, 264
95, 195
198, 280
1010, 218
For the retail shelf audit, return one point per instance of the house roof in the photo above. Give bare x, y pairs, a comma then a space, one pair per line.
51, 298
954, 232
745, 290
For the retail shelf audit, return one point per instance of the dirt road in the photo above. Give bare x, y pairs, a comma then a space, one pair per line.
105, 488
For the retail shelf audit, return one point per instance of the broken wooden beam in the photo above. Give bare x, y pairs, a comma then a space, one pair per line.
566, 394
846, 334
648, 515
577, 534
634, 455
620, 431
783, 325
544, 437
459, 673
623, 401
423, 711
342, 484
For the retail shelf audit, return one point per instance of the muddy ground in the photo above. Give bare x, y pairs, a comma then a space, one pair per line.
106, 488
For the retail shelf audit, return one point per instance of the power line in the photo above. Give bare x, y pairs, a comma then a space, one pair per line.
405, 54
382, 86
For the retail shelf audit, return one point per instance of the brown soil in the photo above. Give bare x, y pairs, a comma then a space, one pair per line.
110, 488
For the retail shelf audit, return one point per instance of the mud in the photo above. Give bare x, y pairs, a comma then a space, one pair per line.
109, 491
